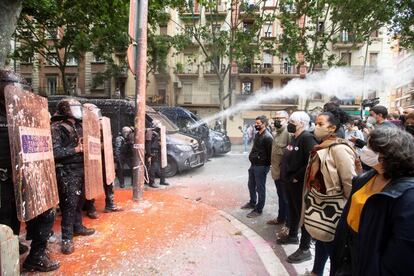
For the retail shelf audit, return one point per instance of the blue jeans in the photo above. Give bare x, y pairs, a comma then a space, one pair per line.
257, 186
323, 250
283, 200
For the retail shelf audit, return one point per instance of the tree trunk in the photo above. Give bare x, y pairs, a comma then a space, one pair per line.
221, 95
9, 13
64, 82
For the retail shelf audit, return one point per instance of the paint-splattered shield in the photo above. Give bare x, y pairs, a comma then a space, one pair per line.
108, 150
92, 154
31, 149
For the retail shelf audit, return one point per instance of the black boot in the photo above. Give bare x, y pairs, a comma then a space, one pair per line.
164, 183
67, 247
40, 261
83, 231
153, 185
112, 208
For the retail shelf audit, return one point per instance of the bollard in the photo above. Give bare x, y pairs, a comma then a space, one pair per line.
9, 252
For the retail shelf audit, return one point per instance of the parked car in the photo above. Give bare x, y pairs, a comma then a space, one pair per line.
183, 152
220, 142
189, 124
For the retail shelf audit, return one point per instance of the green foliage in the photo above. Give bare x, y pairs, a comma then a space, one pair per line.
402, 24
325, 20
59, 29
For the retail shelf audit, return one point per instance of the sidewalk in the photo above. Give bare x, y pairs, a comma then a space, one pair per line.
164, 234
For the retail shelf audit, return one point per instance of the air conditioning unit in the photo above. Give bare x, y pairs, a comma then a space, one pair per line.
178, 84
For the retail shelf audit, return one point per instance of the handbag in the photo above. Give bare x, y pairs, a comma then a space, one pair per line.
322, 214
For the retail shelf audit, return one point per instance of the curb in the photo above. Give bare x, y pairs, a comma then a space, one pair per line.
263, 249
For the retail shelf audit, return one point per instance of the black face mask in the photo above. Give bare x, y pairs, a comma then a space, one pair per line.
410, 129
291, 128
277, 124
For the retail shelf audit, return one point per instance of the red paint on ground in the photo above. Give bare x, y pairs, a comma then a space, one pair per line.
141, 229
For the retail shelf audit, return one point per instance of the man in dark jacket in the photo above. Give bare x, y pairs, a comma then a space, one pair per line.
68, 152
40, 227
260, 158
296, 158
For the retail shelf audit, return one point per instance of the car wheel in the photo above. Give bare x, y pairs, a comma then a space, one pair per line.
171, 168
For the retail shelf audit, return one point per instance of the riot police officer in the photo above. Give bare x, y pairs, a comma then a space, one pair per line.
68, 152
108, 187
153, 155
123, 153
40, 227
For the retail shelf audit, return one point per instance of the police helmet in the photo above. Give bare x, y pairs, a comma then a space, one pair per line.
95, 110
10, 77
70, 107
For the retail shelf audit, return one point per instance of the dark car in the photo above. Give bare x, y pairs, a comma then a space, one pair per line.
183, 152
189, 124
220, 142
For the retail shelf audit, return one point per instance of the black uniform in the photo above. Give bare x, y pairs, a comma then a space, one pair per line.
69, 173
122, 155
40, 227
153, 155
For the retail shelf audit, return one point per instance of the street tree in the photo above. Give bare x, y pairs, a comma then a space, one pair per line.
223, 38
9, 14
58, 31
311, 27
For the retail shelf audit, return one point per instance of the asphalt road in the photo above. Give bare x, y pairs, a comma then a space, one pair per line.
222, 184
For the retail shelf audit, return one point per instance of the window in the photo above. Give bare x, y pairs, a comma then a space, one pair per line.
269, 3
267, 83
188, 92
163, 30
52, 33
97, 82
247, 26
52, 60
26, 60
71, 61
51, 82
344, 36
346, 58
71, 84
28, 78
97, 59
216, 29
316, 96
247, 87
375, 34
267, 60
268, 30
373, 59
321, 26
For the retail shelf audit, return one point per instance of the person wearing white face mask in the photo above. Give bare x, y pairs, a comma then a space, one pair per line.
332, 165
375, 235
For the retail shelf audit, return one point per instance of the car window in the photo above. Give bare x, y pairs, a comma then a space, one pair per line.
169, 126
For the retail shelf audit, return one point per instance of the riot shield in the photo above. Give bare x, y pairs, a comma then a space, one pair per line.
92, 154
163, 146
108, 150
31, 149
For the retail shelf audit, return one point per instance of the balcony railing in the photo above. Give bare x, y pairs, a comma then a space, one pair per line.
283, 101
268, 68
187, 70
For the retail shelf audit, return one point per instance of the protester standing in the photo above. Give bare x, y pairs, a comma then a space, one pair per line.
376, 233
296, 156
260, 158
328, 182
280, 141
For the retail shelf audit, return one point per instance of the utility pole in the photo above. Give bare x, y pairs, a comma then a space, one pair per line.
138, 32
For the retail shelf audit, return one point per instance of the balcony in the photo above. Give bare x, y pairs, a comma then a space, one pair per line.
346, 41
283, 102
186, 70
270, 69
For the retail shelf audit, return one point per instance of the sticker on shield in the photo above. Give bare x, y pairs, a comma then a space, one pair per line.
109, 167
31, 149
92, 154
